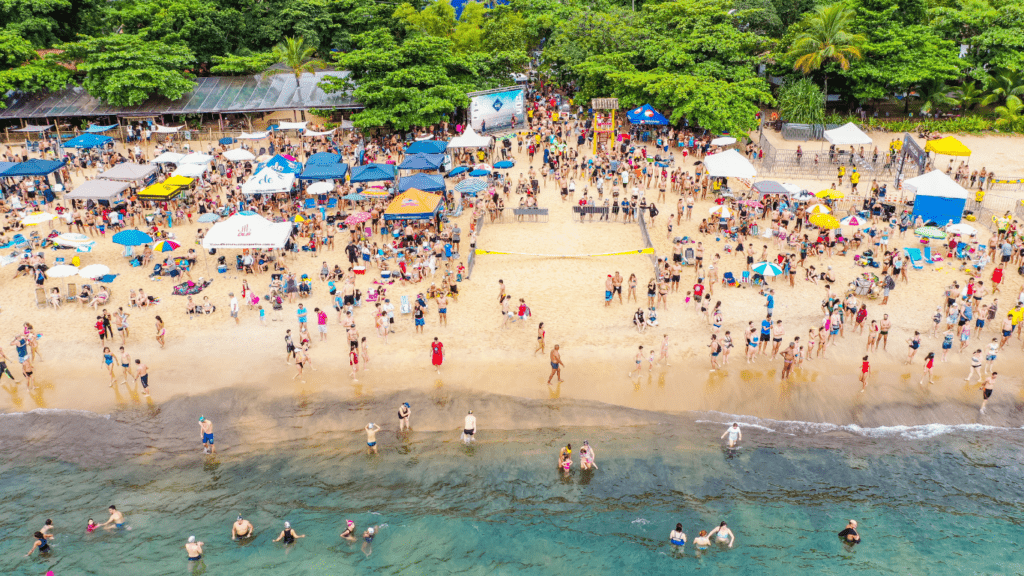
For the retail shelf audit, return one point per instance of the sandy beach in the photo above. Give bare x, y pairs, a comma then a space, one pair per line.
208, 353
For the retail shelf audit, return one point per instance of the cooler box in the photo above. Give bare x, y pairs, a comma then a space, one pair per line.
359, 270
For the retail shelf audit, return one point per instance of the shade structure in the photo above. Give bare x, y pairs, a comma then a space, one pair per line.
729, 164
100, 189
831, 194
479, 173
282, 163
62, 271
847, 135
94, 129
373, 173
132, 238
94, 271
311, 134
317, 188
427, 147
766, 269
227, 141
268, 181
504, 164
73, 240
191, 170
413, 205
86, 141
129, 172
723, 141
824, 221
354, 197
168, 158
819, 209
646, 114
33, 128
253, 135
166, 190
938, 198
166, 246
167, 129
930, 232
852, 221
470, 139
357, 218
321, 158
721, 210
208, 217
768, 187
292, 125
949, 146
425, 182
37, 218
471, 186
334, 171
456, 171
239, 155
34, 167
196, 158
962, 229
247, 231
377, 192
422, 161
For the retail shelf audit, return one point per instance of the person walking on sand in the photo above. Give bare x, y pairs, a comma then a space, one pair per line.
371, 430
788, 358
436, 354
404, 413
206, 428
639, 359
734, 433
929, 363
986, 390
353, 361
913, 343
108, 359
126, 365
540, 339
469, 429
442, 309
300, 361
664, 350
556, 364
884, 326
27, 371
142, 375
865, 368
975, 366
161, 332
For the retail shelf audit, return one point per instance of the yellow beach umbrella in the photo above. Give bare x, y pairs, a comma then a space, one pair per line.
819, 209
831, 194
825, 221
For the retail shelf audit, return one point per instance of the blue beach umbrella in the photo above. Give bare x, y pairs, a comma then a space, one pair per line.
504, 164
247, 213
354, 197
208, 217
470, 186
132, 238
226, 141
767, 269
480, 173
456, 171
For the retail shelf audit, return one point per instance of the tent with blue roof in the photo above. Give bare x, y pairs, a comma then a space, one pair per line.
321, 158
334, 171
425, 182
373, 173
86, 141
94, 129
282, 163
422, 161
646, 114
427, 147
34, 167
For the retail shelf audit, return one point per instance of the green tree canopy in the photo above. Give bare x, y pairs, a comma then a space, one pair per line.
296, 57
824, 36
801, 101
125, 70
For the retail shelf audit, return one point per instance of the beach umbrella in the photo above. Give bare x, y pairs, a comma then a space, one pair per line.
37, 218
723, 141
504, 164
831, 194
722, 210
73, 240
226, 141
317, 188
62, 271
751, 203
298, 218
132, 238
930, 232
208, 217
825, 221
480, 173
165, 246
471, 186
962, 229
482, 166
357, 218
819, 209
94, 271
456, 171
354, 197
852, 221
247, 213
767, 269
239, 155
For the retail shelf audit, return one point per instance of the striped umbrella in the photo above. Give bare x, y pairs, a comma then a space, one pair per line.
825, 221
165, 246
37, 218
767, 269
819, 209
722, 210
357, 218
471, 186
852, 221
208, 217
930, 232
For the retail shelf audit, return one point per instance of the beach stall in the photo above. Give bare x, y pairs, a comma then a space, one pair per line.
167, 190
335, 171
191, 170
128, 172
769, 188
413, 205
168, 158
470, 139
729, 164
948, 146
247, 231
269, 181
425, 182
422, 161
646, 115
847, 135
321, 158
102, 190
87, 141
427, 147
938, 198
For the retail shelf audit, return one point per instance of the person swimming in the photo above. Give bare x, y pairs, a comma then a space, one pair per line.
724, 534
194, 549
677, 537
350, 531
90, 525
702, 542
40, 544
370, 533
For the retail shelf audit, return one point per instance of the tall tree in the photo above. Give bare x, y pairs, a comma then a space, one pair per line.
824, 37
297, 58
1010, 116
802, 102
1001, 85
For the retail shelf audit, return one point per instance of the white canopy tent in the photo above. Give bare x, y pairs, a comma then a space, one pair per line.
196, 158
191, 170
268, 181
723, 141
847, 135
253, 231
167, 129
128, 172
253, 135
291, 125
168, 158
97, 190
33, 128
470, 139
729, 164
936, 183
239, 155
310, 133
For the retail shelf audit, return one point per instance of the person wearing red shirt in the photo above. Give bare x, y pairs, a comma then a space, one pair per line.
698, 294
997, 277
865, 367
101, 329
436, 354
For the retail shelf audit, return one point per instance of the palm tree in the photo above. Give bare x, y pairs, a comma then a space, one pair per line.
1011, 116
969, 95
1003, 84
296, 57
932, 94
825, 37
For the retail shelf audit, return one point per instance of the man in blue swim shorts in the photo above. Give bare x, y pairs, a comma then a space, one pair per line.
608, 291
206, 427
371, 437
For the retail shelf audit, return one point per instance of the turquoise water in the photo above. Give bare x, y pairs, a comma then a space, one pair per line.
930, 500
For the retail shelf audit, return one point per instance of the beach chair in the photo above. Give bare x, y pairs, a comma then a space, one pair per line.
728, 279
40, 297
915, 257
406, 308
960, 251
745, 277
72, 293
688, 256
928, 255
309, 204
332, 203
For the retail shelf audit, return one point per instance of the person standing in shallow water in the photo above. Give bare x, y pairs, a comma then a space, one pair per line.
850, 534
206, 428
288, 535
734, 435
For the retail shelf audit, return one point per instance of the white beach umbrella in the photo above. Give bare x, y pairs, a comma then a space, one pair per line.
819, 209
319, 188
37, 218
239, 155
962, 229
94, 271
723, 141
62, 271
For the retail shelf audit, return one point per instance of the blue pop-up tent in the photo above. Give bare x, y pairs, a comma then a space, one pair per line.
373, 173
425, 182
334, 171
422, 161
34, 167
94, 129
283, 164
427, 147
321, 158
646, 114
86, 141
938, 199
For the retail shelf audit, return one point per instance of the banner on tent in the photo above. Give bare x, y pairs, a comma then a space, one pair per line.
497, 110
639, 251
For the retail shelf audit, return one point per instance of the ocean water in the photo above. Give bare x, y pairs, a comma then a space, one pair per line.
929, 499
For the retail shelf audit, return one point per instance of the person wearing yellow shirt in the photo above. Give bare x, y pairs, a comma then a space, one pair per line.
842, 172
854, 179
